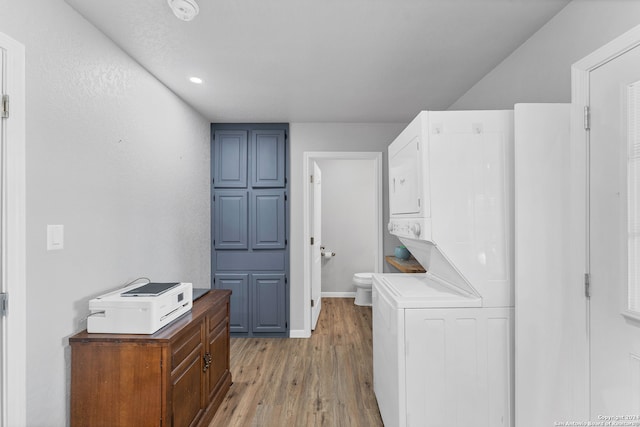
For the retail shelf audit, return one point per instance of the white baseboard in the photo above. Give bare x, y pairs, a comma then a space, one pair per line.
338, 294
299, 333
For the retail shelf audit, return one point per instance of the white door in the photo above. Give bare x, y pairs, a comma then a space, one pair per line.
12, 236
614, 247
3, 284
316, 251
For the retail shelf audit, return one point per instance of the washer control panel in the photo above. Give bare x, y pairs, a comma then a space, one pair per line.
413, 228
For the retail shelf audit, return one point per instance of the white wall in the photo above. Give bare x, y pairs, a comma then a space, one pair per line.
330, 137
540, 69
348, 201
118, 159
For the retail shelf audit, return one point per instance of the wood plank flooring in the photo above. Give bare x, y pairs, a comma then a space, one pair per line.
326, 380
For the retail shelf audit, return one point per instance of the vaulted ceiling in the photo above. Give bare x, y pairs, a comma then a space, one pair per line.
320, 60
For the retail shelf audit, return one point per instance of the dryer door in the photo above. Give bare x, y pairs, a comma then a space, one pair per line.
405, 183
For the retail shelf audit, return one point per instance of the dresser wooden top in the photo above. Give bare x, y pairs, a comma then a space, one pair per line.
200, 307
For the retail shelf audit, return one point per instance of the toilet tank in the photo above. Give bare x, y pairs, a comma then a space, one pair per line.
451, 190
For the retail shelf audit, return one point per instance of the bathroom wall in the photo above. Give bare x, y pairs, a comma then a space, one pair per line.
348, 200
330, 137
121, 162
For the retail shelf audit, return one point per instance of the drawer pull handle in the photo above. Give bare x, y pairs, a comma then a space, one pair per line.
207, 361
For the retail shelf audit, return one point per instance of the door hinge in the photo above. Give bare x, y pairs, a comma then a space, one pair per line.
587, 285
587, 118
5, 106
286, 280
285, 198
312, 303
4, 304
311, 179
286, 242
312, 240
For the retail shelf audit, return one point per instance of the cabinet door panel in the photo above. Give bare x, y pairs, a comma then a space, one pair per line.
268, 219
230, 159
267, 158
188, 385
102, 378
230, 219
219, 351
239, 286
269, 309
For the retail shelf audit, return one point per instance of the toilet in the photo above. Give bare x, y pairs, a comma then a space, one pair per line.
363, 283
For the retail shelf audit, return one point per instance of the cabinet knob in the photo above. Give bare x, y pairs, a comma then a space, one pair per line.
207, 361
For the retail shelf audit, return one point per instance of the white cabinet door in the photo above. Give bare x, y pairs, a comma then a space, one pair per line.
459, 367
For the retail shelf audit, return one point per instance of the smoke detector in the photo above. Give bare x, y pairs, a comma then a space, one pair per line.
184, 9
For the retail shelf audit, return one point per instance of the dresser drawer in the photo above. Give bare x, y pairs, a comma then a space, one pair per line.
216, 316
185, 344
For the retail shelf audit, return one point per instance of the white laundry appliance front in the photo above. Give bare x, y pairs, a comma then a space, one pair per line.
443, 340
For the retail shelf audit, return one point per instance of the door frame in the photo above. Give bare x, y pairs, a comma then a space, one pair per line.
315, 227
579, 253
13, 260
308, 157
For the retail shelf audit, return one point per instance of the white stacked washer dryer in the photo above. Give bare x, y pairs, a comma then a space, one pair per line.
443, 341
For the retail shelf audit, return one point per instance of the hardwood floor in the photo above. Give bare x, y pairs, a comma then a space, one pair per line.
326, 380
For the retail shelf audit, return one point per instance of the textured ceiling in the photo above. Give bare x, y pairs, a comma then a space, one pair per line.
320, 60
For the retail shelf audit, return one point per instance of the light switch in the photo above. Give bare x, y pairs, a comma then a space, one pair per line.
55, 237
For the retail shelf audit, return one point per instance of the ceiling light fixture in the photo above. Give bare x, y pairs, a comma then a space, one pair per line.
184, 9
196, 80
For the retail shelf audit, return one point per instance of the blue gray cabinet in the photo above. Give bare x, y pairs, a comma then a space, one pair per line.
230, 227
239, 286
230, 159
250, 225
267, 158
268, 219
268, 308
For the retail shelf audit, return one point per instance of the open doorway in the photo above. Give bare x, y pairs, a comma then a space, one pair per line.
351, 223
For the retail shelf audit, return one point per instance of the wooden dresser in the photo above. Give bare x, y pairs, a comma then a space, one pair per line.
176, 377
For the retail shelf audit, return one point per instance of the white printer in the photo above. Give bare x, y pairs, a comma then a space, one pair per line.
139, 309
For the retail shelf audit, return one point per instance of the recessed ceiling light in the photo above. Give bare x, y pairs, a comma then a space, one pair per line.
196, 80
